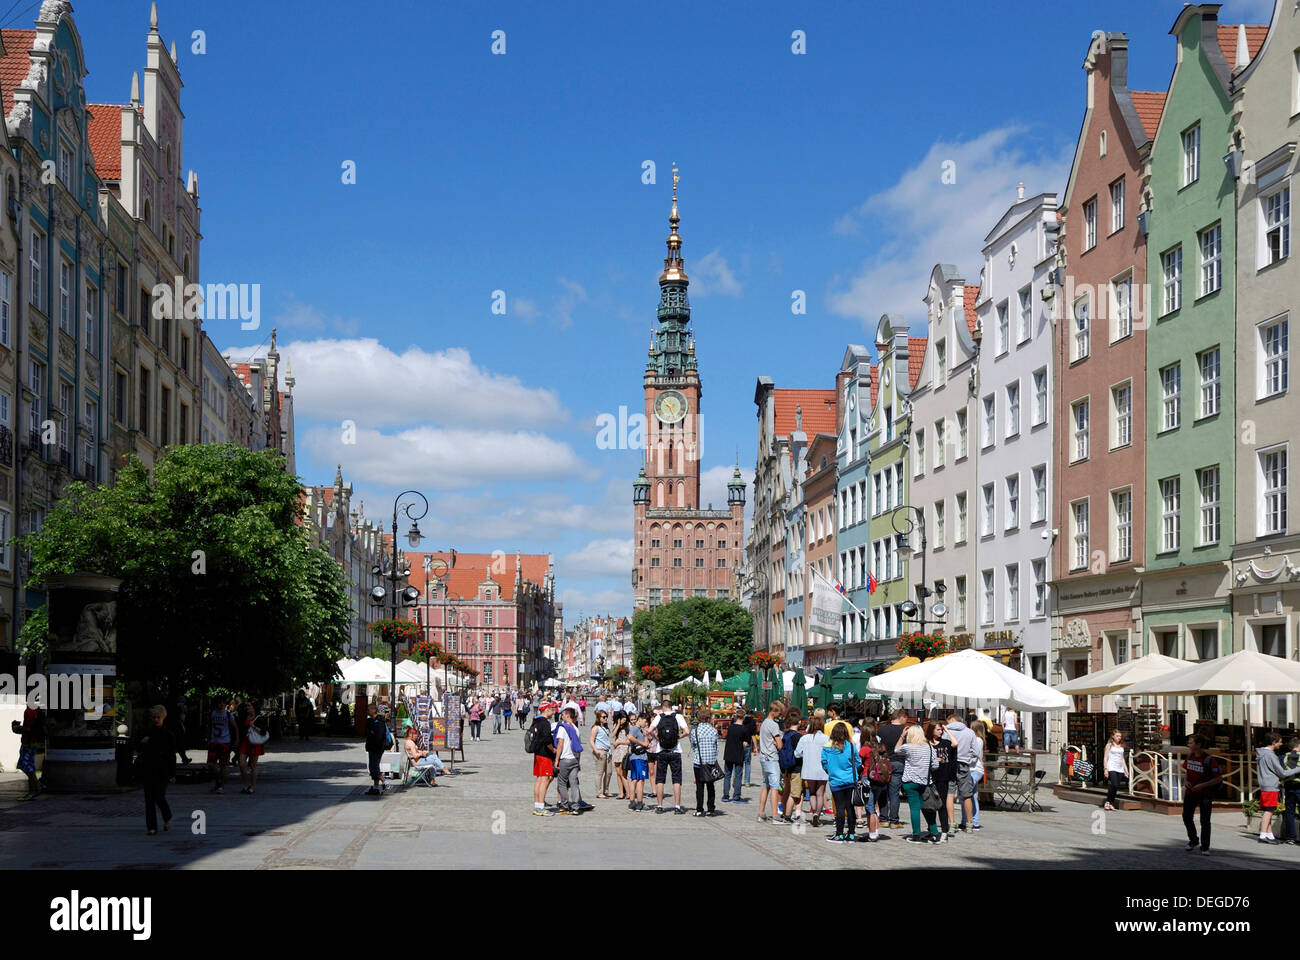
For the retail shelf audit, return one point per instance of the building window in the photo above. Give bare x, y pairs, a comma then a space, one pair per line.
1211, 259
1208, 362
1004, 328
1079, 415
990, 420
164, 416
65, 296
1274, 339
677, 544
920, 453
1040, 396
722, 563
145, 310
1013, 592
1121, 403
143, 424
1040, 587
889, 424
940, 362
1171, 385
986, 597
1273, 489
1121, 300
1079, 535
92, 320
654, 542
963, 435
959, 501
34, 260
699, 561
1208, 481
1171, 264
1013, 501
677, 561
1117, 205
1276, 222
940, 437
654, 561
1090, 224
1170, 514
987, 514
1192, 155
4, 539
1026, 315
1121, 502
1082, 328
656, 596
119, 303
938, 524
959, 608
92, 432
119, 396
185, 355
6, 307
1013, 409
1040, 493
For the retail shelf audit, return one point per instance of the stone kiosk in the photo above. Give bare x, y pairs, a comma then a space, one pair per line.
82, 645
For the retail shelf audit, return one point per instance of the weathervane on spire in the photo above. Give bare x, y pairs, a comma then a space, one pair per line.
673, 219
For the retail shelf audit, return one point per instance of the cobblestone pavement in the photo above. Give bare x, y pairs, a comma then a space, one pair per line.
311, 812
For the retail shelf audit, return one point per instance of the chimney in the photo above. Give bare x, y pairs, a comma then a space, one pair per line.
1243, 52
1020, 191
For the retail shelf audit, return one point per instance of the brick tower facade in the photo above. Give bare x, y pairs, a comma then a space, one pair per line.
680, 549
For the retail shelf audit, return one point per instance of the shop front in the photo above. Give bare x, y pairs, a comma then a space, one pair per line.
1266, 618
1187, 613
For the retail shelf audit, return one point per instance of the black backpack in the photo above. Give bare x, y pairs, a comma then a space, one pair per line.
785, 757
539, 734
667, 731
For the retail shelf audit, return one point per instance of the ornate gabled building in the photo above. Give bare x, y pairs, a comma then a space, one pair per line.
681, 549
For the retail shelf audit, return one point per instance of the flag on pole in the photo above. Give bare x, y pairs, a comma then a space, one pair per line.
871, 583
839, 587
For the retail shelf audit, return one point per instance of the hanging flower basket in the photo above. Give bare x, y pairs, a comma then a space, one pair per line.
622, 673
923, 645
426, 650
651, 672
447, 659
395, 631
693, 667
764, 661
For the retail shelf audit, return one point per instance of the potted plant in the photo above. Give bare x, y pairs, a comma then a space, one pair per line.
652, 673
764, 661
693, 667
923, 645
1250, 808
394, 631
426, 650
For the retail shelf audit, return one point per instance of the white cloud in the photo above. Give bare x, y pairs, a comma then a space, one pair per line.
599, 558
523, 308
364, 381
296, 315
562, 312
711, 274
440, 459
591, 602
713, 487
923, 220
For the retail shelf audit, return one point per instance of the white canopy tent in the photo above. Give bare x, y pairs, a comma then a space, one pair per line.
969, 675
368, 670
1245, 672
1114, 679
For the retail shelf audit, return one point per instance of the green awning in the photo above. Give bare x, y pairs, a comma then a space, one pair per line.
737, 683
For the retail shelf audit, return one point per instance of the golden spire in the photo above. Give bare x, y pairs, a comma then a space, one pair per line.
673, 268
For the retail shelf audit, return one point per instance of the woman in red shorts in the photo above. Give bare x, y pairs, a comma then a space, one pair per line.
249, 751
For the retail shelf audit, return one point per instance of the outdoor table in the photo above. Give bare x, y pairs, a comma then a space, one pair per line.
1011, 780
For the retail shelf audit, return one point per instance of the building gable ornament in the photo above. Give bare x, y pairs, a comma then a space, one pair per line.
1268, 576
1076, 635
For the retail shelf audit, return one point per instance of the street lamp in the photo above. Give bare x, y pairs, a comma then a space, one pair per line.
908, 608
399, 570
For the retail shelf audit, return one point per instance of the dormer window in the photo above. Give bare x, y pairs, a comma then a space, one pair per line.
65, 164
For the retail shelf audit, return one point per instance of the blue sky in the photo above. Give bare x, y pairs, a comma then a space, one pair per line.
522, 172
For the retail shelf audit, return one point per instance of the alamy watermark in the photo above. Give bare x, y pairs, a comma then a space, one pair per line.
57, 691
215, 301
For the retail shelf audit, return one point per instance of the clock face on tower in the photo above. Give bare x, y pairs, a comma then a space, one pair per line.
670, 406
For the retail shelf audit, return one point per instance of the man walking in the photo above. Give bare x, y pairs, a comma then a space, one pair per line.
769, 759
498, 706
890, 735
543, 744
1203, 774
568, 753
968, 757
219, 746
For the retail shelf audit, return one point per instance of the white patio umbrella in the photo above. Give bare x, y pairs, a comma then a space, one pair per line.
1240, 673
368, 670
411, 671
970, 675
1115, 679
717, 676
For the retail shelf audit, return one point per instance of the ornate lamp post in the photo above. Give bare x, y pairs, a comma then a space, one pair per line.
396, 572
909, 608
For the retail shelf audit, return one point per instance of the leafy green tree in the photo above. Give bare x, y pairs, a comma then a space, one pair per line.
220, 586
718, 632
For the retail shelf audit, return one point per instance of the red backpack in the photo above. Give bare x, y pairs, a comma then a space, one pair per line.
878, 769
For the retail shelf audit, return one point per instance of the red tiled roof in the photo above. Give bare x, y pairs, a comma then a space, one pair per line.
106, 139
915, 359
15, 63
875, 384
473, 568
1149, 105
971, 297
1228, 41
818, 407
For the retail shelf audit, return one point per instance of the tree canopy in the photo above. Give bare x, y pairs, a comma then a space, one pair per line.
718, 632
221, 588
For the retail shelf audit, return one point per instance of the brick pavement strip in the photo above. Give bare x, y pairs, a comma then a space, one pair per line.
311, 812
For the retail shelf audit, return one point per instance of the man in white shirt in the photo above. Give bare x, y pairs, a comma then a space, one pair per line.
629, 707
1010, 731
566, 762
669, 758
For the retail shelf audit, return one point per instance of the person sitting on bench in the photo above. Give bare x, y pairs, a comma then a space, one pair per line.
422, 759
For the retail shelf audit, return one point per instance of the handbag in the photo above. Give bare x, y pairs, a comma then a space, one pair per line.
930, 799
709, 772
257, 737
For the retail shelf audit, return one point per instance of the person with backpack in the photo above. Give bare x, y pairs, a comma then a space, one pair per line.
157, 768
890, 735
522, 706
809, 752
842, 765
877, 771
31, 730
669, 729
378, 739
969, 749
540, 742
791, 779
568, 758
